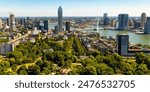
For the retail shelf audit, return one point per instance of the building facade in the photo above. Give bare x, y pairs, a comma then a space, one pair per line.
46, 25
1, 22
12, 22
147, 26
68, 26
105, 19
123, 44
143, 19
5, 48
123, 21
60, 19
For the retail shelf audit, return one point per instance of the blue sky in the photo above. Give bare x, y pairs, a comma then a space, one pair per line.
74, 7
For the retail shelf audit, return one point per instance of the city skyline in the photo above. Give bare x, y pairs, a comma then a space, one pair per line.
74, 7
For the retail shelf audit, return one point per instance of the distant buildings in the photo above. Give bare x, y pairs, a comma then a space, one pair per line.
147, 26
60, 19
137, 24
68, 26
23, 22
143, 19
113, 23
123, 21
131, 23
12, 22
56, 30
1, 24
105, 19
5, 48
46, 25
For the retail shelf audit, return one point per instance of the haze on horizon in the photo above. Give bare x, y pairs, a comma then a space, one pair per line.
74, 7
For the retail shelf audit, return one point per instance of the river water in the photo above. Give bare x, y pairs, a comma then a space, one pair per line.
133, 37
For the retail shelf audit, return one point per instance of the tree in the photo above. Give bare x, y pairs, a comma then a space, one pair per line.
15, 54
99, 58
12, 61
142, 69
22, 69
104, 69
90, 70
140, 57
34, 70
127, 68
23, 72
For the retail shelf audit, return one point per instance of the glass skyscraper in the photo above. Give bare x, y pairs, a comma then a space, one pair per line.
123, 21
60, 19
147, 26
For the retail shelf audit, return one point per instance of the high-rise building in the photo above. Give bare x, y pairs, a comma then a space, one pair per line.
1, 24
113, 23
12, 22
46, 25
123, 21
56, 30
143, 19
60, 19
68, 26
23, 22
8, 22
41, 25
5, 48
123, 44
137, 24
131, 23
147, 26
105, 19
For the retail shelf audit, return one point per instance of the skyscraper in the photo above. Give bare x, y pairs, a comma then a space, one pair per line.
56, 30
105, 19
12, 22
23, 22
68, 26
123, 44
123, 21
8, 22
60, 19
46, 25
1, 24
143, 19
147, 26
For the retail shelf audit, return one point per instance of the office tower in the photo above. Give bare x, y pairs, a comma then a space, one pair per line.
12, 22
123, 44
8, 22
130, 23
137, 24
123, 21
46, 25
41, 25
60, 19
68, 26
147, 26
143, 19
113, 23
1, 24
56, 30
23, 22
105, 19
